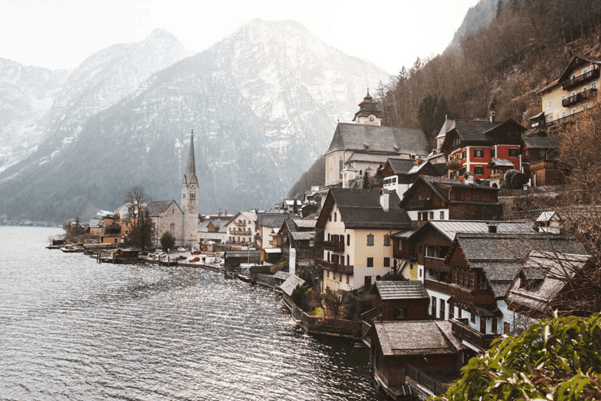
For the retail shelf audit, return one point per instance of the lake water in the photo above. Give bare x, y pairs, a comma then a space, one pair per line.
72, 329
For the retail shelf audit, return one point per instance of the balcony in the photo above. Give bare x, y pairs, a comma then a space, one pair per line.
403, 254
436, 263
474, 297
579, 97
580, 79
333, 246
335, 267
437, 286
461, 330
276, 242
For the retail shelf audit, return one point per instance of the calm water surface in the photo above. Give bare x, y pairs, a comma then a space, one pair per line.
72, 329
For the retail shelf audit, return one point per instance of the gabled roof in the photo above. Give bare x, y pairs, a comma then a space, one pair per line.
156, 208
443, 187
449, 228
496, 162
396, 290
301, 223
290, 284
361, 208
273, 220
575, 62
402, 166
548, 216
542, 142
303, 235
414, 338
250, 216
483, 132
375, 138
446, 127
551, 270
500, 256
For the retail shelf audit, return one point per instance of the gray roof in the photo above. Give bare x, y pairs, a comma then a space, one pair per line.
219, 224
501, 162
401, 166
280, 275
273, 220
542, 142
303, 235
446, 127
310, 223
375, 138
442, 187
413, 337
156, 208
290, 284
551, 270
449, 228
367, 157
360, 208
394, 290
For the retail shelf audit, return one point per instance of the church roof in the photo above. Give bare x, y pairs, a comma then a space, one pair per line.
156, 208
368, 107
376, 138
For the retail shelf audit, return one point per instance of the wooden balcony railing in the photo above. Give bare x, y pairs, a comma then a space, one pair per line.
461, 330
437, 286
419, 204
580, 79
579, 97
335, 267
333, 246
400, 254
474, 297
436, 263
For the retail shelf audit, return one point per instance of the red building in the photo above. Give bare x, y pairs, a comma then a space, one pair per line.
471, 145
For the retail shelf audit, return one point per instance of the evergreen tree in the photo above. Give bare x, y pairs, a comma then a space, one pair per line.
141, 233
366, 180
167, 241
431, 115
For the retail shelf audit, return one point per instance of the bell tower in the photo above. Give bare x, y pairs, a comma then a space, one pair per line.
369, 112
190, 199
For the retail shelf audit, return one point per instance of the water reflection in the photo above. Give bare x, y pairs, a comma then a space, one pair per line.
74, 329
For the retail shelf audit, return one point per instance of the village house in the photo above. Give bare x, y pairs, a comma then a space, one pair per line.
356, 226
432, 198
110, 231
242, 228
414, 348
362, 146
574, 91
268, 226
212, 230
429, 245
548, 222
547, 282
472, 144
296, 238
400, 174
166, 216
401, 300
482, 269
540, 160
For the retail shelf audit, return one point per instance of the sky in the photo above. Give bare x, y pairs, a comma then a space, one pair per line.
63, 33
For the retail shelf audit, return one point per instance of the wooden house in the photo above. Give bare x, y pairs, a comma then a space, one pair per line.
401, 300
471, 145
400, 174
540, 161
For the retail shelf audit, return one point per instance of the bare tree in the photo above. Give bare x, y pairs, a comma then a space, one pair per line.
135, 200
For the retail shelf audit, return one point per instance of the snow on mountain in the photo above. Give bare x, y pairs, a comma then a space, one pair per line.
263, 102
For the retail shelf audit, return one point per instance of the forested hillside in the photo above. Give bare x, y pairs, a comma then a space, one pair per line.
499, 66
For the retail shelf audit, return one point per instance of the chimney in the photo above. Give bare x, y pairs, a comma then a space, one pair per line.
418, 160
469, 177
384, 200
492, 117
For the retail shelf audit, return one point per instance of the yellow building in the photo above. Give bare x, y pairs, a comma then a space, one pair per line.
357, 226
574, 91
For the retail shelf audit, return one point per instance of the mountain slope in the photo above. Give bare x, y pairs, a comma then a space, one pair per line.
263, 102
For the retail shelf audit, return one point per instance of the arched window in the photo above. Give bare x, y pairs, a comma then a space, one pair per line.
172, 228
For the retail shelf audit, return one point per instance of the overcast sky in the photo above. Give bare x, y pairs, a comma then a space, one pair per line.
62, 33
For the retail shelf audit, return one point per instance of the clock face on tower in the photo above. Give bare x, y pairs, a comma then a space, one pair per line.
192, 186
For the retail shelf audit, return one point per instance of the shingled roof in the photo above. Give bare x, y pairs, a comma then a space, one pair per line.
443, 187
542, 142
402, 166
484, 132
414, 338
449, 228
273, 220
290, 284
361, 208
376, 138
395, 290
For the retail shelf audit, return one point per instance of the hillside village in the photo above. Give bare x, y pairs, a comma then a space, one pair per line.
425, 255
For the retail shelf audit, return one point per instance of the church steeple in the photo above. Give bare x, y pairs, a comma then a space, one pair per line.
190, 175
369, 112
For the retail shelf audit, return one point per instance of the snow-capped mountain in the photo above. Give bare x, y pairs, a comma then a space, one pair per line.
263, 103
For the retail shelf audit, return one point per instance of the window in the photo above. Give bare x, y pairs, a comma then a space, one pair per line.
563, 114
451, 312
478, 153
340, 169
386, 240
370, 240
348, 260
370, 262
328, 273
433, 307
574, 110
478, 170
348, 240
442, 215
492, 152
585, 106
473, 318
513, 152
386, 262
584, 89
563, 97
335, 216
549, 104
442, 307
431, 215
463, 154
347, 278
550, 119
594, 85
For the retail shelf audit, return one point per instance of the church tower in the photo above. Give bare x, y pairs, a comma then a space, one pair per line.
190, 199
368, 113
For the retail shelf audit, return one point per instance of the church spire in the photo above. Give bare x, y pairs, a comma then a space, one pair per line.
190, 175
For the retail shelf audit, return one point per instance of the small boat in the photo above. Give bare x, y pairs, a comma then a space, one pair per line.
73, 249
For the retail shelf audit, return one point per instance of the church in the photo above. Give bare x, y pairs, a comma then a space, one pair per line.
363, 145
168, 216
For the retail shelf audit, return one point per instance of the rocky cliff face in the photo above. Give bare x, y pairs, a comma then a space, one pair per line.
263, 103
